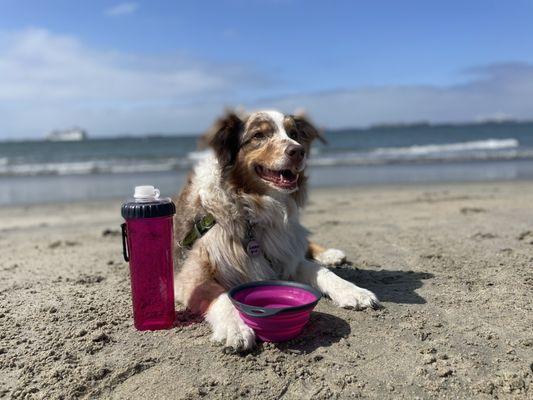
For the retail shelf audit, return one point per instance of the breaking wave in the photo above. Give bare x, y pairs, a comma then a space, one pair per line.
489, 149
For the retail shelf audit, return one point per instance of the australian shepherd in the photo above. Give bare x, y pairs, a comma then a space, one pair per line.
253, 185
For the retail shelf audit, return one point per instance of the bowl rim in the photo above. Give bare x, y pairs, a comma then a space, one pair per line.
263, 312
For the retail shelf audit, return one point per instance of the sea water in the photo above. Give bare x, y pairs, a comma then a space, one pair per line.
40, 171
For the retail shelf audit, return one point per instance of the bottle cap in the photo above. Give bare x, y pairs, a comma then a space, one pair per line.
147, 204
146, 193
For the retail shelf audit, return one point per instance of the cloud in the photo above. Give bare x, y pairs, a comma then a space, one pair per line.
121, 9
51, 81
492, 91
40, 64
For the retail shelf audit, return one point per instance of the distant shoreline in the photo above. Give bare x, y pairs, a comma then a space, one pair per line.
370, 128
35, 172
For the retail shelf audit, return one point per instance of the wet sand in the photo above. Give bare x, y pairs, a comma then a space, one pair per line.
452, 265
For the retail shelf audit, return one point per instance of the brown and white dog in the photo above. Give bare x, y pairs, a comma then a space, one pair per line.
254, 185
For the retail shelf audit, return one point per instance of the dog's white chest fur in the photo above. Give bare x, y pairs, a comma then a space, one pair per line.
282, 238
283, 241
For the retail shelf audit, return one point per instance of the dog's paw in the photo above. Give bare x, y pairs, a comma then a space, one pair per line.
234, 334
351, 296
228, 327
331, 257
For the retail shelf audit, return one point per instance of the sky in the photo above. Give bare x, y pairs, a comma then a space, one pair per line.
143, 67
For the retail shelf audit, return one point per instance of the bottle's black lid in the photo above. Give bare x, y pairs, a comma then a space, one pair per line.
150, 209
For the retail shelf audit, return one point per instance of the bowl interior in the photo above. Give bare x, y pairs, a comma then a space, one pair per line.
275, 296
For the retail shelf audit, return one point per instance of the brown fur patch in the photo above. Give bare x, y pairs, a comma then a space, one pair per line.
267, 155
226, 139
303, 130
290, 125
257, 130
263, 125
188, 204
299, 128
243, 175
314, 250
197, 285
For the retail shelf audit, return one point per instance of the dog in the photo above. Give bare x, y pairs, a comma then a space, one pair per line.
250, 190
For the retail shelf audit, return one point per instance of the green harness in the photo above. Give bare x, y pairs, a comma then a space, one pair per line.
205, 223
198, 230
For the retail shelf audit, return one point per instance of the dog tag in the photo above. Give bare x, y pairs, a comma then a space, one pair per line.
253, 248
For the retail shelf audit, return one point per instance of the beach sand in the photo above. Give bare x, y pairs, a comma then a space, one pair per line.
452, 265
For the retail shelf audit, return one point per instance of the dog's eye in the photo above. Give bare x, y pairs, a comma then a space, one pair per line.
293, 135
259, 135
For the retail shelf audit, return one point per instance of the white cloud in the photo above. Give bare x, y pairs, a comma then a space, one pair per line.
122, 9
51, 81
492, 92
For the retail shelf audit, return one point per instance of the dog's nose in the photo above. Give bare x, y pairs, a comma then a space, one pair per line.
295, 152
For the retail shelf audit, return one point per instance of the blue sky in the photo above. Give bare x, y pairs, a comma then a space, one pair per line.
168, 66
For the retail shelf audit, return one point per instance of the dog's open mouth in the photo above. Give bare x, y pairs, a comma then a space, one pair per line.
284, 178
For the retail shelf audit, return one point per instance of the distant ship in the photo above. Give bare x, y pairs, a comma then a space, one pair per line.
67, 135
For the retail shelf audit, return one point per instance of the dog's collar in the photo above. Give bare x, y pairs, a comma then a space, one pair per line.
205, 223
198, 230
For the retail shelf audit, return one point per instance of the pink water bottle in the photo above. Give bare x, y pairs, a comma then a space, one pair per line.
147, 238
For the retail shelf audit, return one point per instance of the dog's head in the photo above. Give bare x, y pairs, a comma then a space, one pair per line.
263, 152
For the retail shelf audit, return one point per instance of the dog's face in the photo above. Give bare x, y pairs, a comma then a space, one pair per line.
265, 151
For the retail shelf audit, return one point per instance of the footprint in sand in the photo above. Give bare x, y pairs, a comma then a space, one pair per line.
58, 243
110, 232
480, 235
332, 222
472, 210
526, 236
343, 203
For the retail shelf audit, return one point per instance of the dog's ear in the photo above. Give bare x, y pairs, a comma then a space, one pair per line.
306, 129
224, 138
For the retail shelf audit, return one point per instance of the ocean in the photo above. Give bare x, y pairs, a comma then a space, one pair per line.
34, 172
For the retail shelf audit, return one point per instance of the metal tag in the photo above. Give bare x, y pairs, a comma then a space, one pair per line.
253, 248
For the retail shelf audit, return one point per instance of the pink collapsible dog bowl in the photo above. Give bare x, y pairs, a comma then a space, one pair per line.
275, 310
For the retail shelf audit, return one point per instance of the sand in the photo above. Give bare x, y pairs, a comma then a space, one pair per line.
452, 265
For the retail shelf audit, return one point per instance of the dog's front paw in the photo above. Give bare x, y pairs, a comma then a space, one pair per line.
234, 334
228, 327
331, 257
351, 296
